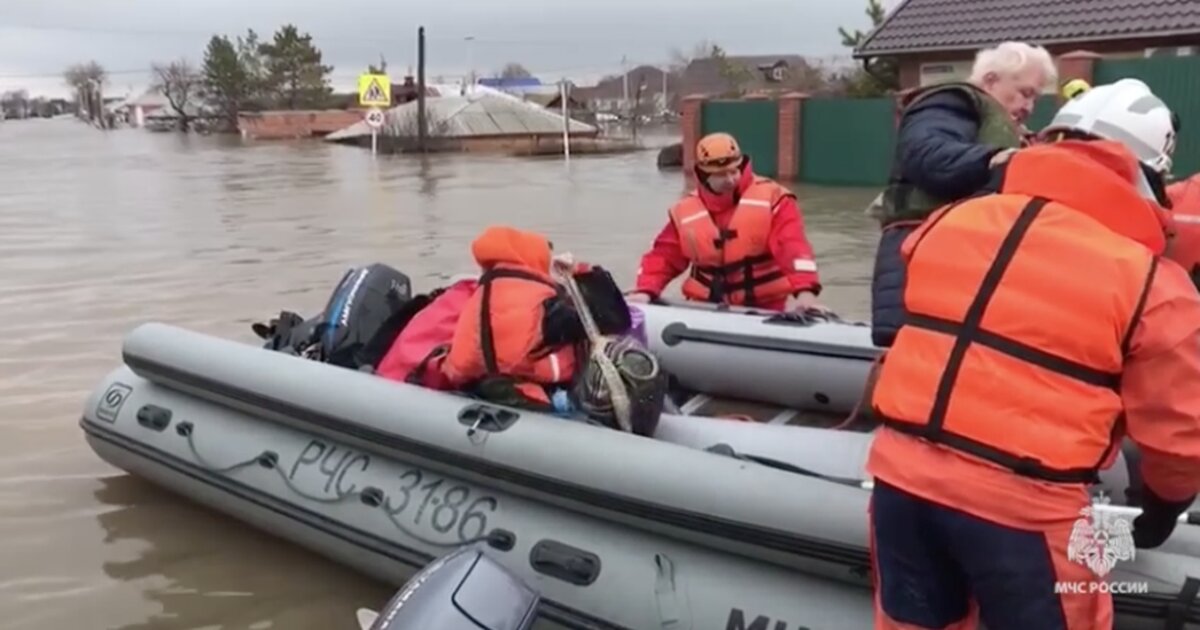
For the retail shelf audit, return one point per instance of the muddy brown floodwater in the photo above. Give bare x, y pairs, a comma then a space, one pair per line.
100, 231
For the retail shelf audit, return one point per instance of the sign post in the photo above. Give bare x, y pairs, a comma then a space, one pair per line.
375, 92
374, 120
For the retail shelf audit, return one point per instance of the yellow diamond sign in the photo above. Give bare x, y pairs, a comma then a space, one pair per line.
374, 90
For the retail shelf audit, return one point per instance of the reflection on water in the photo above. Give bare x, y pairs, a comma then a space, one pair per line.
102, 231
190, 584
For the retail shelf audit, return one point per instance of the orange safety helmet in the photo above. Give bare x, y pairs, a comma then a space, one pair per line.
718, 153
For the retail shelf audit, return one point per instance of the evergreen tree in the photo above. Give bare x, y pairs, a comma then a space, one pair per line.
225, 77
294, 72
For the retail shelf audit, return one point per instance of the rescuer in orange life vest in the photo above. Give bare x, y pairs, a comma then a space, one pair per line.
1185, 210
741, 235
1043, 326
518, 332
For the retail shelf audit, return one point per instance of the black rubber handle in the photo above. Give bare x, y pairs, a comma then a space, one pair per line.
567, 563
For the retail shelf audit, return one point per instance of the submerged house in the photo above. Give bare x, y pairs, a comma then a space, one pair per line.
475, 119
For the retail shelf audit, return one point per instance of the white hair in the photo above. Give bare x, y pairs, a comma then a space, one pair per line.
1011, 58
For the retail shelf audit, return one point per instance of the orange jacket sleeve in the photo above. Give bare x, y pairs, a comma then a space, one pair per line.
1160, 387
663, 263
790, 248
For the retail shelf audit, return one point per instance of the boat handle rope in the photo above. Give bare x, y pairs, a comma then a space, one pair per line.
1187, 518
370, 496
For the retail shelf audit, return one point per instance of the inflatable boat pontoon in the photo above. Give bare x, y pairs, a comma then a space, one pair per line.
799, 362
711, 525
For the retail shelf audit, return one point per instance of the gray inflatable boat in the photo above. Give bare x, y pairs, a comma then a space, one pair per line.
713, 524
799, 362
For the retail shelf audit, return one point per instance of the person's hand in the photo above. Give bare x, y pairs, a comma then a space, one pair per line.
805, 301
1157, 521
1001, 158
638, 297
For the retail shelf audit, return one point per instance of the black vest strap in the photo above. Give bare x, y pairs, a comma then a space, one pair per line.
487, 339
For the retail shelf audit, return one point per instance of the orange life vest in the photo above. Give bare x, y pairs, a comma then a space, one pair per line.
734, 265
1185, 210
498, 341
1021, 306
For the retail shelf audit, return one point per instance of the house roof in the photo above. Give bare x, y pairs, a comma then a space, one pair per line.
703, 76
501, 83
546, 100
929, 25
614, 87
482, 111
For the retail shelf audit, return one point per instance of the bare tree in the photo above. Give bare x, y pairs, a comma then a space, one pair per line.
182, 85
514, 70
15, 104
87, 79
702, 49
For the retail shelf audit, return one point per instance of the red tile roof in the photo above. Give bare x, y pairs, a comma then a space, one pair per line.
927, 25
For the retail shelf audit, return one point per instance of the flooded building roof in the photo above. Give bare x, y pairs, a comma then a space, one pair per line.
479, 111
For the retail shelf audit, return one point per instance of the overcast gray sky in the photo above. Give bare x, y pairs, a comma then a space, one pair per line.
580, 39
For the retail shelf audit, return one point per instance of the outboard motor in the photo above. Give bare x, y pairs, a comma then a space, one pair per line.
463, 590
363, 316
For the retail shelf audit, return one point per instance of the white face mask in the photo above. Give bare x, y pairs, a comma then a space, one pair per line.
722, 183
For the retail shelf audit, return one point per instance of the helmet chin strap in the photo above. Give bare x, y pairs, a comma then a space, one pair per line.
1153, 186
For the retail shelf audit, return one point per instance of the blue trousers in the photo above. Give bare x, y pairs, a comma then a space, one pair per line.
932, 562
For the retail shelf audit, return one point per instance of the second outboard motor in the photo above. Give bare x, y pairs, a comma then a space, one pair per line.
463, 590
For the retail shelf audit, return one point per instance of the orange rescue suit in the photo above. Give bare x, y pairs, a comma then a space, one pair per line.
734, 265
1185, 210
1021, 306
499, 334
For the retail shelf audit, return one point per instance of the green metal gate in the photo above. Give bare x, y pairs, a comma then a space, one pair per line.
847, 141
1177, 81
755, 124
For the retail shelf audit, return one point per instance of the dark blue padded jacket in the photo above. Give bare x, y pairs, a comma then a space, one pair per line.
937, 151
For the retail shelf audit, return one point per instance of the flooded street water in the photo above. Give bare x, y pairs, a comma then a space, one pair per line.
100, 231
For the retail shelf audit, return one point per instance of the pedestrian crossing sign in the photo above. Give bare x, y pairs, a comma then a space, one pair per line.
374, 90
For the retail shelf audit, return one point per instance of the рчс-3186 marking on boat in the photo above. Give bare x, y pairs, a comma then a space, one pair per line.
443, 505
420, 497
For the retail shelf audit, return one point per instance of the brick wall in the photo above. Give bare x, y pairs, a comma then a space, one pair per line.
275, 125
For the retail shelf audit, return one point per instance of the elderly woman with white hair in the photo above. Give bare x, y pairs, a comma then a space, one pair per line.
950, 135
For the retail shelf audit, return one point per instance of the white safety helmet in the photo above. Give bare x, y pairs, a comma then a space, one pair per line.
1126, 112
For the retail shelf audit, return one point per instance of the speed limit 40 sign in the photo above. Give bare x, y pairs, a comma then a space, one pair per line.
374, 118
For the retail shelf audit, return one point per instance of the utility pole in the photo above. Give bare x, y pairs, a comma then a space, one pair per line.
563, 95
421, 89
664, 89
470, 39
625, 77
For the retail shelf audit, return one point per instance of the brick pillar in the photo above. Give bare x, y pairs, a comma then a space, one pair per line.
791, 112
1077, 64
690, 123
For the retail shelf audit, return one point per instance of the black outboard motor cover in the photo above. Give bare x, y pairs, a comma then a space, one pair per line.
464, 590
364, 315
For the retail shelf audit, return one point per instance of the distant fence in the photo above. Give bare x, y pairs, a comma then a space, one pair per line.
850, 142
754, 123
